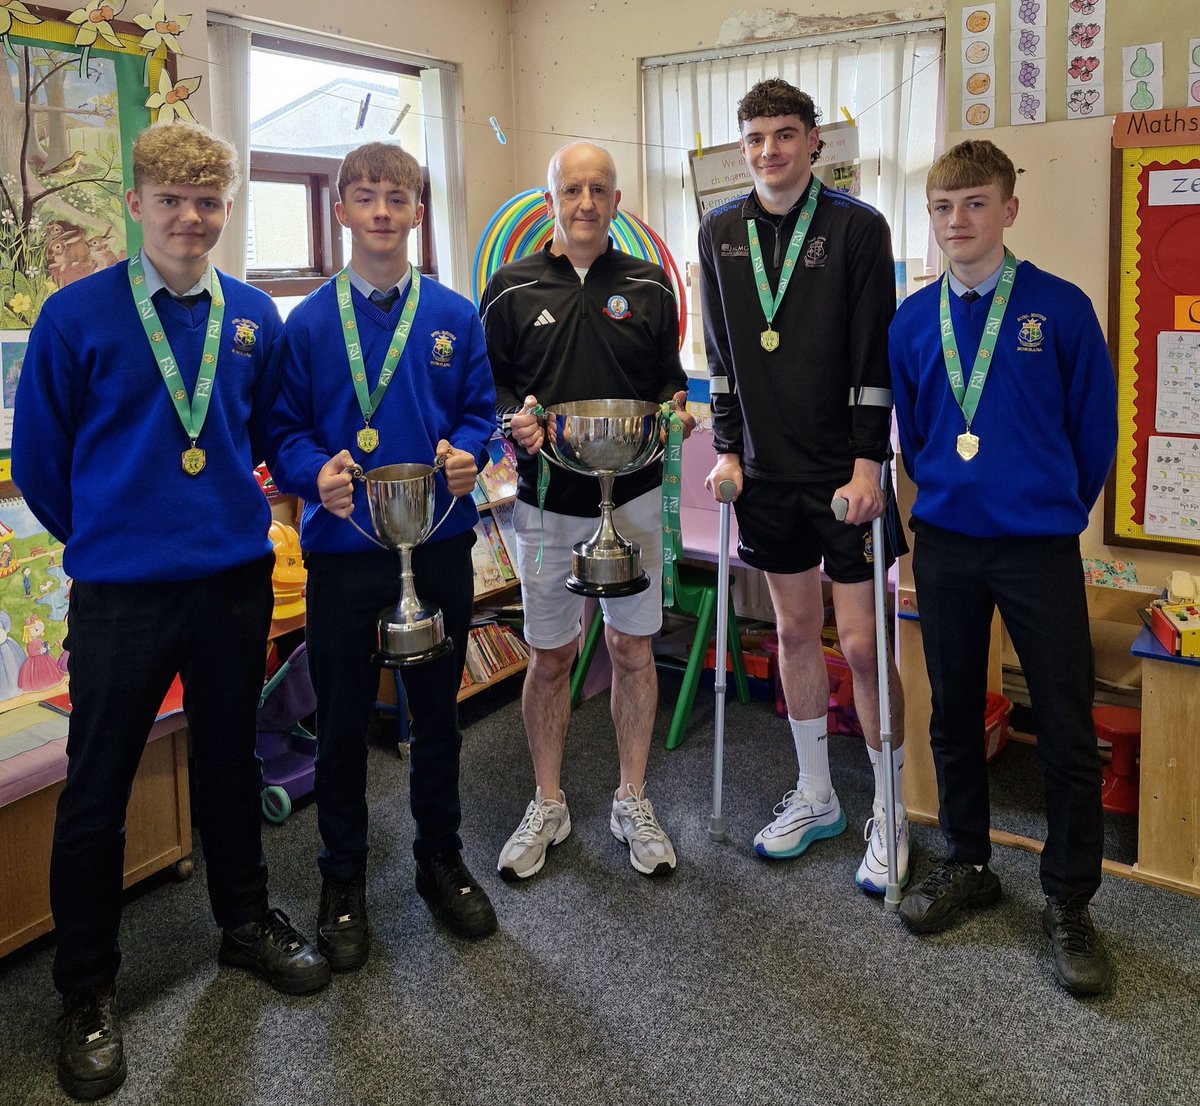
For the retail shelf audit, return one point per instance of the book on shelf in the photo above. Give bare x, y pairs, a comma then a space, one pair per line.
495, 538
499, 476
489, 576
478, 495
491, 649
502, 515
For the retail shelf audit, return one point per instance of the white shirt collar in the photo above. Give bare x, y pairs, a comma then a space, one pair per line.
154, 281
983, 287
366, 287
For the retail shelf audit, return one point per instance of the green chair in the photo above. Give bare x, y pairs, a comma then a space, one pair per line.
696, 596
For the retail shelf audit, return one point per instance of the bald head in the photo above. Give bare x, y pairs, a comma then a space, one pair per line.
572, 154
582, 196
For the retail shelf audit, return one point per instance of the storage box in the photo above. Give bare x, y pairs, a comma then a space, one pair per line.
759, 665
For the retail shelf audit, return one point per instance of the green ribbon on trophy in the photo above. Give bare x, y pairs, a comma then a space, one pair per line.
368, 404
769, 338
967, 394
193, 412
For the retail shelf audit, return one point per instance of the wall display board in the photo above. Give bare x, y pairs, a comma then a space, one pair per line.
1153, 495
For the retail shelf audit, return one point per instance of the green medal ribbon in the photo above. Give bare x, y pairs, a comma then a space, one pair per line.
966, 394
368, 437
672, 487
191, 413
769, 339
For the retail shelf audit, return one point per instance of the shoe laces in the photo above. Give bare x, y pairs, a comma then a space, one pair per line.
941, 877
278, 929
1075, 924
639, 808
877, 826
90, 1014
797, 797
534, 821
345, 900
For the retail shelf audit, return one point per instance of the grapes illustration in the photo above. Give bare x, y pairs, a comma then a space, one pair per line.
1028, 11
1028, 43
1029, 74
1142, 66
1029, 106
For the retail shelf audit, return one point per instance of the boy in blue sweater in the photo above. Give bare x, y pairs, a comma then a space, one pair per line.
422, 390
140, 415
1006, 406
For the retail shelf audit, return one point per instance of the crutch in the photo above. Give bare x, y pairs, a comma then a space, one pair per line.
726, 490
891, 896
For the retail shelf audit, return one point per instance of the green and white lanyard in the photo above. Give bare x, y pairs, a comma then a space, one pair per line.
967, 394
368, 436
191, 414
769, 338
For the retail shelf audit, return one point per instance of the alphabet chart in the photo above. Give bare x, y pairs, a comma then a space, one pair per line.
1177, 410
1173, 487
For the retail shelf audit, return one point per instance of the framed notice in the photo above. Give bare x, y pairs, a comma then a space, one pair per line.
1153, 494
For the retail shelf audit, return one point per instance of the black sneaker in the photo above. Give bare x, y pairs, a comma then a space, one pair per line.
453, 896
91, 1054
1080, 959
938, 900
343, 936
274, 949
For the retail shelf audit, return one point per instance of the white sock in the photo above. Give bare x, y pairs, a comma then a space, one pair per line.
876, 756
812, 755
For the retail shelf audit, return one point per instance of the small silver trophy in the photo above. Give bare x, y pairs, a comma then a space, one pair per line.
401, 500
605, 438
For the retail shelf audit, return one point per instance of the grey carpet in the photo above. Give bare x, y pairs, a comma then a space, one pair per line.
734, 981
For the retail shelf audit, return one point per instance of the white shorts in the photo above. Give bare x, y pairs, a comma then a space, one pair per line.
553, 615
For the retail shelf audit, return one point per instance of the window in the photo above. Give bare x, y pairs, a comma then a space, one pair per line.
309, 106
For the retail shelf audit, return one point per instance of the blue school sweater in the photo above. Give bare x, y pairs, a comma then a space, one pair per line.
442, 388
97, 442
1046, 421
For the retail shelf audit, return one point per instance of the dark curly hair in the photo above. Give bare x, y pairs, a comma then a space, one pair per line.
774, 97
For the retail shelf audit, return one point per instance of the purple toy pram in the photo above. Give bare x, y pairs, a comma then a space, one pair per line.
287, 749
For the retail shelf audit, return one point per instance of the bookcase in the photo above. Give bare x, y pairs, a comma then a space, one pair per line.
495, 650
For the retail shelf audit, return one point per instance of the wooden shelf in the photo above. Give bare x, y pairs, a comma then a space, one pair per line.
507, 586
495, 678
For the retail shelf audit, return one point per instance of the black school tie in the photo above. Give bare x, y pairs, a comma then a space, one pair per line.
970, 296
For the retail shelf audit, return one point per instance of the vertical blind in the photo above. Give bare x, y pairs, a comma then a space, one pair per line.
890, 83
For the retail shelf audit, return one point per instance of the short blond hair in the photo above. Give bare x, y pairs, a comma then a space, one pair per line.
972, 164
185, 153
380, 161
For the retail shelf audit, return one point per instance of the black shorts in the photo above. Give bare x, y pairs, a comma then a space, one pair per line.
788, 528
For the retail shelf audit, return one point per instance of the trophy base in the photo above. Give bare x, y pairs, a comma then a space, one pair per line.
411, 660
404, 642
607, 590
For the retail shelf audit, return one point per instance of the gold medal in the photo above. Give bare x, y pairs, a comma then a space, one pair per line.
968, 445
368, 439
192, 461
769, 340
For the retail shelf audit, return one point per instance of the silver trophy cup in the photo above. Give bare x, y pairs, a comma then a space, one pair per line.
605, 438
401, 499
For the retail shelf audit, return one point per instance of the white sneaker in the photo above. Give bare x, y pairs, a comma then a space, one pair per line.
800, 820
872, 872
633, 821
545, 823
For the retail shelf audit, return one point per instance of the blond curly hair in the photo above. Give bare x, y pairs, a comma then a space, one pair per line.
185, 153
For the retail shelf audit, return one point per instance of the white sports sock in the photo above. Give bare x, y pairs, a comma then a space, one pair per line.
876, 756
812, 756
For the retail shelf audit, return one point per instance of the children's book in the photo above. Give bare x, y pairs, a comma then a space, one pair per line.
498, 550
488, 574
499, 476
502, 513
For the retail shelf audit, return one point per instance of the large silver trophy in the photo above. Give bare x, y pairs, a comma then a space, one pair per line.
401, 501
605, 438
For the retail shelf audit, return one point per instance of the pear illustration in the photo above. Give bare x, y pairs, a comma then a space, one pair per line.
1142, 98
1141, 66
